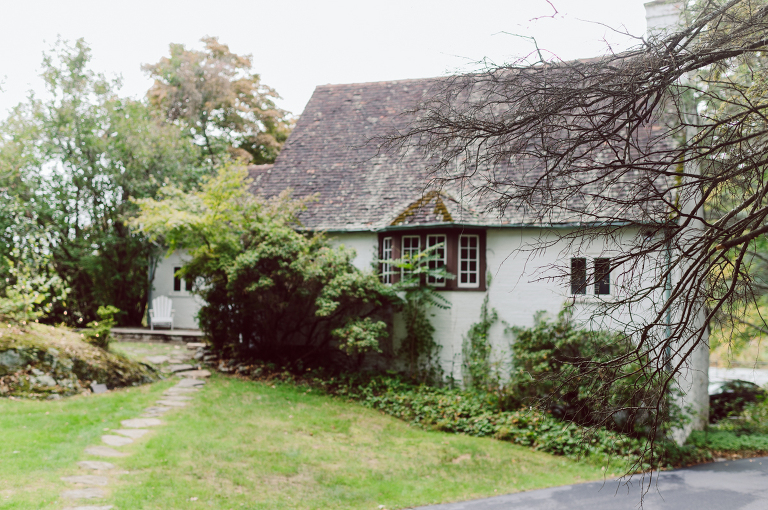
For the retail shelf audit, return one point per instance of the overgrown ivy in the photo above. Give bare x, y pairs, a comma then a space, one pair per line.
418, 349
476, 352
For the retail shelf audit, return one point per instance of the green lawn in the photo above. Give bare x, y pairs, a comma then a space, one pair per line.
249, 445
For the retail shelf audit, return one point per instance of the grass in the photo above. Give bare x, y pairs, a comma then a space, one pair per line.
42, 440
249, 445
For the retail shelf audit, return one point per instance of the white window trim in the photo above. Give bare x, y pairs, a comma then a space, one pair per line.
179, 293
589, 295
444, 242
459, 260
387, 273
403, 272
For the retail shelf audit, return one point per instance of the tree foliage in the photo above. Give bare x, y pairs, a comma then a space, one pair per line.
73, 160
271, 290
213, 95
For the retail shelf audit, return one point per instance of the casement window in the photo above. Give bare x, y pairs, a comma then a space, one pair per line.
177, 282
578, 275
469, 261
601, 276
411, 246
387, 253
438, 241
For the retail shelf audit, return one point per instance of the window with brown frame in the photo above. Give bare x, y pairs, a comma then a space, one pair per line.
461, 251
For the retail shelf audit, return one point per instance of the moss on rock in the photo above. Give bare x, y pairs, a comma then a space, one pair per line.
38, 361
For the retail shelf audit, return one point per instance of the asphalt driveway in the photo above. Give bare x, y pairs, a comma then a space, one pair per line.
729, 485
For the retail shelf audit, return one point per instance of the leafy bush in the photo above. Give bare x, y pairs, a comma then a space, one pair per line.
728, 441
570, 372
271, 291
29, 292
99, 333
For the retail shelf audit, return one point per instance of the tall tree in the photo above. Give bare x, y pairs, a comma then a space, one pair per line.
76, 159
669, 137
213, 95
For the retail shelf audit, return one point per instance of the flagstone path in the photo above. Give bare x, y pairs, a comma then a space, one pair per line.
92, 486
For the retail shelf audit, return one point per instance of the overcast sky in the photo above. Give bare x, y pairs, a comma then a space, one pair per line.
298, 44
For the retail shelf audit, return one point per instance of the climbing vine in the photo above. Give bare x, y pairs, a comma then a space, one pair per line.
476, 351
419, 350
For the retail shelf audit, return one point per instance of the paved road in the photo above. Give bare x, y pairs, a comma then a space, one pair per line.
732, 485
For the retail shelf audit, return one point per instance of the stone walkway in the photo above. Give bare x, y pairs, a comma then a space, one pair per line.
93, 483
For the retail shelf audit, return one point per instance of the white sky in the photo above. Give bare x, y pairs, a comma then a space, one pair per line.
298, 44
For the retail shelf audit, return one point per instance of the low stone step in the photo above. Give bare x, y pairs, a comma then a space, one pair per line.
90, 507
140, 423
197, 374
132, 433
189, 383
171, 403
96, 465
157, 360
89, 493
178, 368
86, 479
180, 391
157, 409
115, 440
104, 451
176, 398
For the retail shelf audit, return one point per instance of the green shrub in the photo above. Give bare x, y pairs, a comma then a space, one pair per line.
99, 333
573, 373
728, 441
270, 290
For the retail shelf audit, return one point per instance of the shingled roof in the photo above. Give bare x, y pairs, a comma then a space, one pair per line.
331, 153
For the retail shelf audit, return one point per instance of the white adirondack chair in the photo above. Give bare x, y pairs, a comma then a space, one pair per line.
161, 312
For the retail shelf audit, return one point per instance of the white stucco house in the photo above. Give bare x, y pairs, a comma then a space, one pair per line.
379, 205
